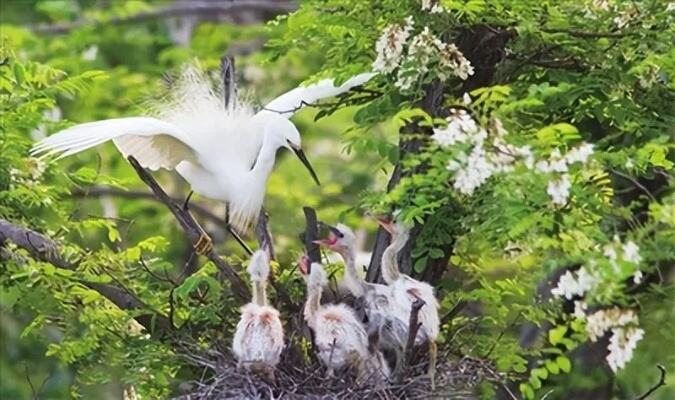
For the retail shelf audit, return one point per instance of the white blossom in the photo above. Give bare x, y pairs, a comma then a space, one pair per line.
433, 6
91, 53
631, 252
570, 286
621, 345
466, 99
637, 277
579, 154
452, 60
477, 170
580, 308
389, 46
460, 129
559, 190
603, 320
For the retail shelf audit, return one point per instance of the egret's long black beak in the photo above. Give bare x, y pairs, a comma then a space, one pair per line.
301, 155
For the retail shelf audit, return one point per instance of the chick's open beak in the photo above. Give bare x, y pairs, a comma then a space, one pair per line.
305, 264
303, 158
385, 223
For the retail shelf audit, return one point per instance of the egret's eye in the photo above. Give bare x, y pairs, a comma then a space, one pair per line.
341, 235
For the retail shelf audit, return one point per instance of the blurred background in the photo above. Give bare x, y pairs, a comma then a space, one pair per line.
137, 44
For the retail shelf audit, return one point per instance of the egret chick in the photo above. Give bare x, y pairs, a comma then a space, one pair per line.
224, 153
339, 337
259, 337
380, 306
406, 290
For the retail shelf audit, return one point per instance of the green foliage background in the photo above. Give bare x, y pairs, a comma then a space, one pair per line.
614, 91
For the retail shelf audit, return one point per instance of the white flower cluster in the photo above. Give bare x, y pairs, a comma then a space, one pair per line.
453, 62
630, 252
625, 333
474, 169
576, 284
389, 46
30, 176
424, 49
559, 189
433, 6
621, 346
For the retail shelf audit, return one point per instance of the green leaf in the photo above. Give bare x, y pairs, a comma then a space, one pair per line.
564, 363
552, 367
526, 390
556, 334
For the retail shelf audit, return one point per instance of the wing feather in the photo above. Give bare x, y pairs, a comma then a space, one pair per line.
153, 142
290, 102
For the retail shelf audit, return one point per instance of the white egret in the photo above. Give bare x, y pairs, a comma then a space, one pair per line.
381, 308
406, 290
259, 337
224, 153
339, 336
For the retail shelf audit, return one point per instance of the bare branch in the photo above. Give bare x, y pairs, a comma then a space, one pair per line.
264, 235
227, 74
44, 249
193, 230
661, 382
311, 234
178, 9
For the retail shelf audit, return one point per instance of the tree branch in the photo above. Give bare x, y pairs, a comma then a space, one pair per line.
311, 234
193, 230
100, 191
589, 35
413, 327
177, 9
661, 382
44, 249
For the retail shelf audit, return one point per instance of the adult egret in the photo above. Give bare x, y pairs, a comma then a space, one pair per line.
259, 338
339, 336
224, 153
406, 290
381, 308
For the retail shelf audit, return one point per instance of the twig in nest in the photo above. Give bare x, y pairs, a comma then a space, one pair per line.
661, 382
413, 328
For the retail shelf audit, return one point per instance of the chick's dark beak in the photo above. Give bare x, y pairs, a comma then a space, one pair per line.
303, 158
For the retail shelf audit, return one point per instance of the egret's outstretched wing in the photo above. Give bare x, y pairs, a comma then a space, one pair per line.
153, 142
290, 102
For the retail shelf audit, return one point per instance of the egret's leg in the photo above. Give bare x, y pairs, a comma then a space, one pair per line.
234, 233
433, 354
187, 200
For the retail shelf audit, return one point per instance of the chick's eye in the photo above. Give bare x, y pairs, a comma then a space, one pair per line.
341, 235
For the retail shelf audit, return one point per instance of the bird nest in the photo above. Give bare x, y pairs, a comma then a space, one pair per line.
298, 378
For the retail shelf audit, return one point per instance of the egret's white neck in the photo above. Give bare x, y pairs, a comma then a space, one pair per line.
313, 302
352, 280
266, 158
390, 269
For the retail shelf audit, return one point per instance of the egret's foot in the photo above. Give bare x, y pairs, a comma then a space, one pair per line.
204, 245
